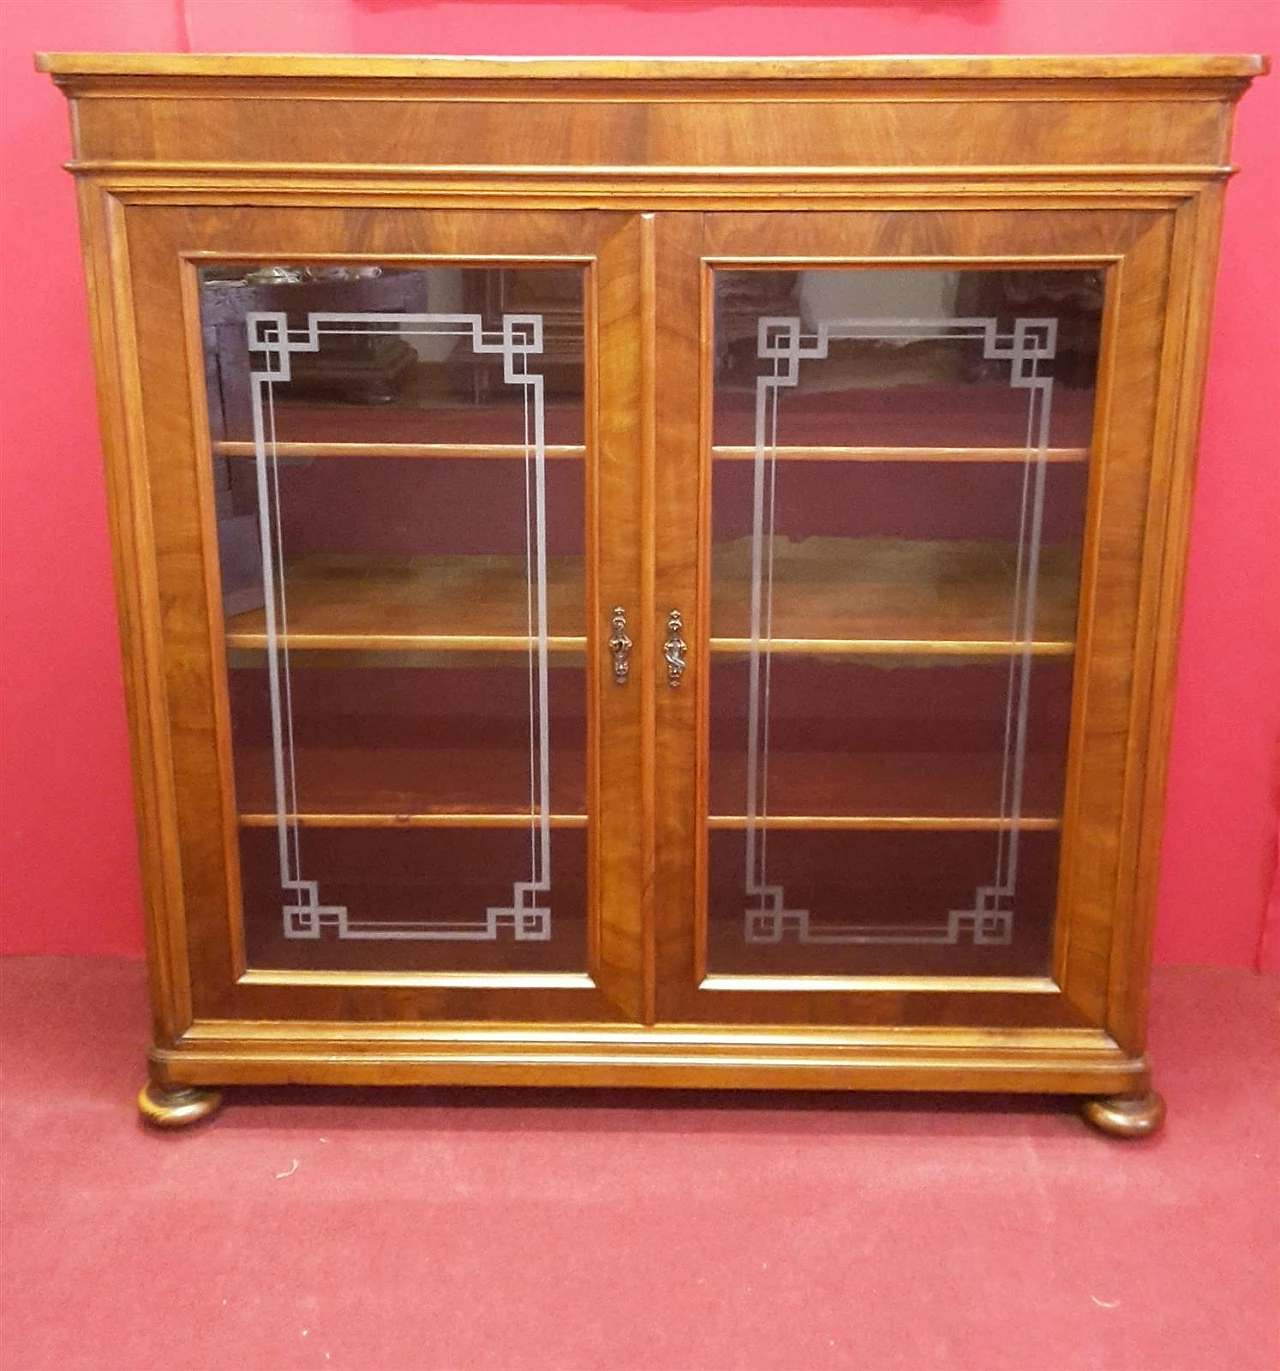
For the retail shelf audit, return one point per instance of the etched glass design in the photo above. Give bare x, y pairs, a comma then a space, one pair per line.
403, 583
908, 846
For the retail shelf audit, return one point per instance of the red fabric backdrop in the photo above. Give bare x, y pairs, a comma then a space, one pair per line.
70, 882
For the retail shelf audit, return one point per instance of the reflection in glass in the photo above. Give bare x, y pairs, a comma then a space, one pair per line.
898, 505
400, 482
877, 903
387, 879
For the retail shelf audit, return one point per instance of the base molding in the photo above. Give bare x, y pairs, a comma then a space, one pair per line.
1025, 1061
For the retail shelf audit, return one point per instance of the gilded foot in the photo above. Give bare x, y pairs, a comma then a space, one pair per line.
178, 1107
1127, 1116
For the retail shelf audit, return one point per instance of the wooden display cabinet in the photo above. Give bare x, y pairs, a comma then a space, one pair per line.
651, 573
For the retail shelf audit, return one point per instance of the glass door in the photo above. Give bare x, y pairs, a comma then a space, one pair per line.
418, 645
401, 460
893, 480
899, 481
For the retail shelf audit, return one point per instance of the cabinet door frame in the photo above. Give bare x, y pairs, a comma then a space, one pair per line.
1130, 553
168, 571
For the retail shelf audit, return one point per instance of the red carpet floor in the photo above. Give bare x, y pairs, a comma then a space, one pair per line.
430, 1229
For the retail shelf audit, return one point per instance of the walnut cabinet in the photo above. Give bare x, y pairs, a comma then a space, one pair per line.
650, 573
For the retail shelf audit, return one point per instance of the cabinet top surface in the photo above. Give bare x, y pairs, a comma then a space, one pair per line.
68, 67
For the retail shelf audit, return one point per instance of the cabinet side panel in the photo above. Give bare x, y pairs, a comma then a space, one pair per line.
1094, 868
119, 408
1182, 373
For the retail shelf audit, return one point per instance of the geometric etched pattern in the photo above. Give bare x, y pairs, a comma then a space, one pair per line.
781, 342
527, 918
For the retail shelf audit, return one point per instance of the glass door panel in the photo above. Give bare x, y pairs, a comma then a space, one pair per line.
900, 471
401, 486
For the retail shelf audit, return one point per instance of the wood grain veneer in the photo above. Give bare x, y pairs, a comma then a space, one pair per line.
648, 177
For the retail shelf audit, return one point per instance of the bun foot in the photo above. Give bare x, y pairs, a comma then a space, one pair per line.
176, 1108
1127, 1116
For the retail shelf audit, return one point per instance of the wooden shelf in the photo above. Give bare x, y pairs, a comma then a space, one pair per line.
414, 603
815, 453
340, 654
383, 787
458, 451
831, 597
407, 423
353, 818
843, 409
410, 787
872, 596
858, 790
